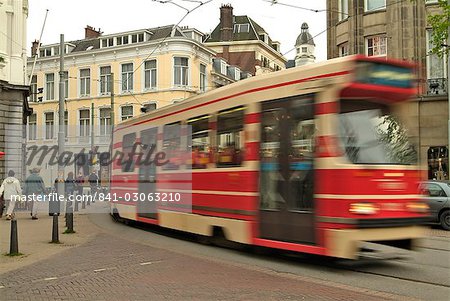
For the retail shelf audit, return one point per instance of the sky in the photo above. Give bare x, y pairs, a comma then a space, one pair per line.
282, 22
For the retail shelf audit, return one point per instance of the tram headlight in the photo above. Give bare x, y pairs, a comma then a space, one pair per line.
418, 207
363, 208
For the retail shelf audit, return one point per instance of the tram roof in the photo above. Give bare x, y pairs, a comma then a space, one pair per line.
307, 71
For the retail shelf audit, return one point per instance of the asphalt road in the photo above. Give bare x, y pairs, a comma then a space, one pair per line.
423, 275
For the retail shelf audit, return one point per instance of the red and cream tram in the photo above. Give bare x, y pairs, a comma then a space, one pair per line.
299, 159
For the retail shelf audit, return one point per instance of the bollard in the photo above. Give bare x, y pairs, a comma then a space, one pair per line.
70, 223
14, 243
55, 234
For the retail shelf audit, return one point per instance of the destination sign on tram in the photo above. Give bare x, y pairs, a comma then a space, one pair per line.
376, 73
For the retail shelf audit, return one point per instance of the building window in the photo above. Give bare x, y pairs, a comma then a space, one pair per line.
32, 127
85, 82
343, 49
127, 77
141, 37
105, 122
343, 9
181, 71
376, 46
371, 5
126, 112
436, 70
223, 67
304, 49
436, 67
105, 80
50, 86
107, 42
202, 77
241, 28
85, 123
49, 125
33, 95
65, 80
230, 133
149, 107
150, 74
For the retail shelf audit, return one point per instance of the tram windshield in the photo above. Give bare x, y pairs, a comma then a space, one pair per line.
370, 134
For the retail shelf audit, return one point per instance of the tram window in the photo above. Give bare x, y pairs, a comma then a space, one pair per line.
301, 157
230, 134
171, 146
127, 163
201, 147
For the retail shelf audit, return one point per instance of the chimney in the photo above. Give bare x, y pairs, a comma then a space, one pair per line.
34, 47
91, 33
226, 22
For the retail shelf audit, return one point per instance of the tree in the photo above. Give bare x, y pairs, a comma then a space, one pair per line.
440, 23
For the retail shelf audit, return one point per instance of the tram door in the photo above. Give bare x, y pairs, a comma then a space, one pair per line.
147, 174
287, 173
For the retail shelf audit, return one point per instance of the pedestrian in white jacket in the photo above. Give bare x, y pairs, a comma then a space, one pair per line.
11, 192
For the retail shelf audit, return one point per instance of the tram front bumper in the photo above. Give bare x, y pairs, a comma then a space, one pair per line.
346, 243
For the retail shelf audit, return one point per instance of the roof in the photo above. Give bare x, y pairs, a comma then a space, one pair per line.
94, 43
305, 37
254, 32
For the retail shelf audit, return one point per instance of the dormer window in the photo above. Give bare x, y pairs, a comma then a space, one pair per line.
241, 28
263, 37
109, 42
141, 37
223, 67
134, 38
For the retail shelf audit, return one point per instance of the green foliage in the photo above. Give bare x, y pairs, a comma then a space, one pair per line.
395, 137
440, 23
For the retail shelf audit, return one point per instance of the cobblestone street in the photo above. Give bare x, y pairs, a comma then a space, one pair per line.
109, 268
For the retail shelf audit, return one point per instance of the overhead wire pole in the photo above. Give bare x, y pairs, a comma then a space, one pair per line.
112, 121
61, 130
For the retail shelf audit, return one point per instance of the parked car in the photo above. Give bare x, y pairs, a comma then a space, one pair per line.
438, 197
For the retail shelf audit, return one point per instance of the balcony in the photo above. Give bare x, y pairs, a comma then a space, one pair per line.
437, 86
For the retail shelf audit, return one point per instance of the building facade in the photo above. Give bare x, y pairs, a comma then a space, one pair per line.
13, 86
152, 68
242, 42
399, 29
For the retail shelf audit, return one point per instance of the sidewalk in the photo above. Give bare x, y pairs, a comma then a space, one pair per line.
35, 235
